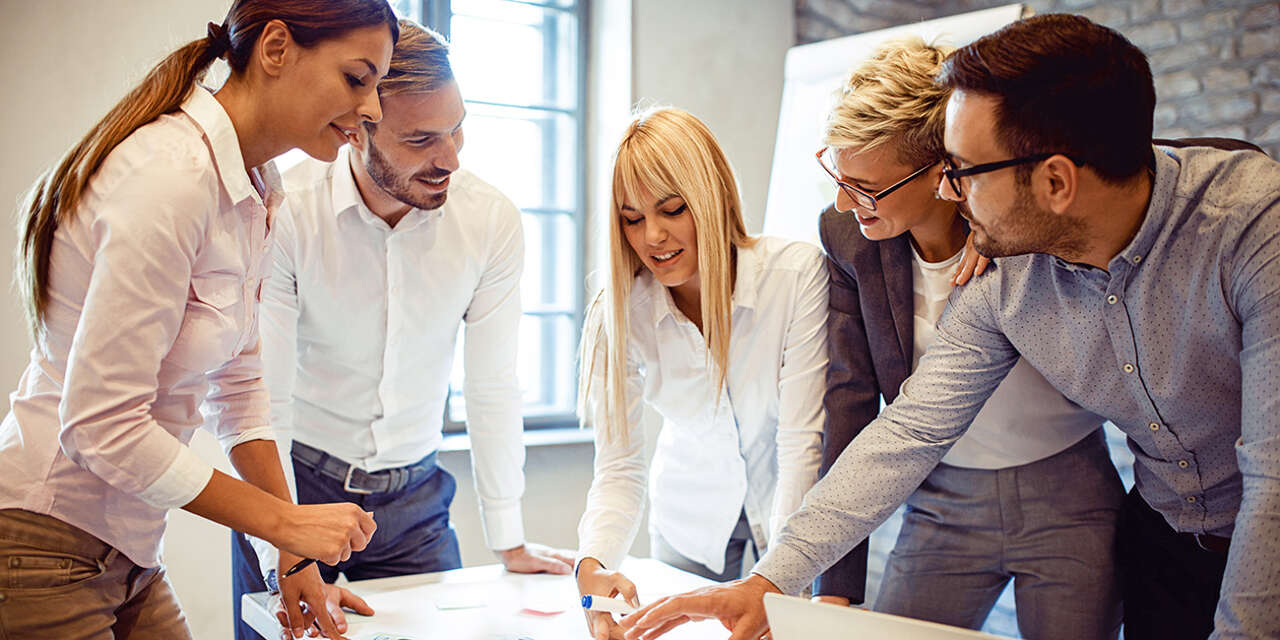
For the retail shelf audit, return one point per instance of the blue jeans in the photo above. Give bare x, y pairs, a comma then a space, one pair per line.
413, 535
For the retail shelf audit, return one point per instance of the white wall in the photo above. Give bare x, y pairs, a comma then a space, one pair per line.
68, 61
722, 60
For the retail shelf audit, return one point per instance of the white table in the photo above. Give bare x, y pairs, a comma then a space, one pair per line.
488, 603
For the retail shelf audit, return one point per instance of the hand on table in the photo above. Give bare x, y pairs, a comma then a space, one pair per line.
537, 558
738, 605
839, 601
595, 580
313, 605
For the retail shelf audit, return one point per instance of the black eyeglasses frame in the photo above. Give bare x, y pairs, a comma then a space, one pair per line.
953, 174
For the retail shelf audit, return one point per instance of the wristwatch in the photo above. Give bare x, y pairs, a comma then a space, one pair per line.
273, 583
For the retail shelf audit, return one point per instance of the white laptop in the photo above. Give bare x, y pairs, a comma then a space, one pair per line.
799, 619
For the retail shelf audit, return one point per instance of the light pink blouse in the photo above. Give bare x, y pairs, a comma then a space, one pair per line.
153, 312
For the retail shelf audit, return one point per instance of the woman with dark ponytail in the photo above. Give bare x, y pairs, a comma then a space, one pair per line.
140, 258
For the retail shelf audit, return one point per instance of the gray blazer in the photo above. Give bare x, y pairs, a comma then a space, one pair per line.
869, 336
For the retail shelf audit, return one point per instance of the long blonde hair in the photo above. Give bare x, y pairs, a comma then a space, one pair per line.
664, 151
53, 199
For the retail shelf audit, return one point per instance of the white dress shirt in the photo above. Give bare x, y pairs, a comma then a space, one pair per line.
359, 325
755, 445
999, 437
153, 289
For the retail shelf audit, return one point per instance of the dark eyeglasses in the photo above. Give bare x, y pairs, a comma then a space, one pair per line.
953, 174
863, 199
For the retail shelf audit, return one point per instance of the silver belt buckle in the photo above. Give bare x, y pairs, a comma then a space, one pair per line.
346, 483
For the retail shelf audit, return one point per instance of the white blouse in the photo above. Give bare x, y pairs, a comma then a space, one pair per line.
755, 445
153, 308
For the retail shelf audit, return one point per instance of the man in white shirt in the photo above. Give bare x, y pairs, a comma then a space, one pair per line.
378, 257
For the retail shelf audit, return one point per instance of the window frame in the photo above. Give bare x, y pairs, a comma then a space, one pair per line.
437, 15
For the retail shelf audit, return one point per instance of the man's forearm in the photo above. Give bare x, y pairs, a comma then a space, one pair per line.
846, 505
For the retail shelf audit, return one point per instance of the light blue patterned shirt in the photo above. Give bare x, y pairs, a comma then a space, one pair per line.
1177, 343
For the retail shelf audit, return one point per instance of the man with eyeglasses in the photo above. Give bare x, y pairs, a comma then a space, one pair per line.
379, 257
991, 512
1143, 283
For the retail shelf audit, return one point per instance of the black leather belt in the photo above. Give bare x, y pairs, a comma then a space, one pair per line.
357, 480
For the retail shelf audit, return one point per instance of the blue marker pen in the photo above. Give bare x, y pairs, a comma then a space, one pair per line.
602, 603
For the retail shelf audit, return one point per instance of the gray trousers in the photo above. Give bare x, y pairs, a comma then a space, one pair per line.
660, 550
1050, 526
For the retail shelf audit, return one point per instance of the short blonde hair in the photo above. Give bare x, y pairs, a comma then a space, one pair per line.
419, 62
664, 151
891, 99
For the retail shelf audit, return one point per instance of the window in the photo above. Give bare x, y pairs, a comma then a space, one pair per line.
521, 68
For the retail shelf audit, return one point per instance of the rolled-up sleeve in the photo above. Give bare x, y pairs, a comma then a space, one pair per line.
146, 234
238, 402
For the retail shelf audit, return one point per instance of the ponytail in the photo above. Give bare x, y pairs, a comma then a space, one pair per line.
55, 195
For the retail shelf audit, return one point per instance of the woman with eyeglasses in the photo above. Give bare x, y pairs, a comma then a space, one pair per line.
141, 259
723, 335
1029, 493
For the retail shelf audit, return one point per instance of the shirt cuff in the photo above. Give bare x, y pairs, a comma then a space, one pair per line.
180, 483
786, 568
233, 440
503, 526
268, 555
610, 558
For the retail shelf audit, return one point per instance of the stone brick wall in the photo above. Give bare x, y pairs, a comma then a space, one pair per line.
1216, 62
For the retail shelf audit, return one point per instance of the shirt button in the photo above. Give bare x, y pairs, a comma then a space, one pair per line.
1128, 368
1137, 259
1184, 464
1191, 499
1154, 426
1112, 299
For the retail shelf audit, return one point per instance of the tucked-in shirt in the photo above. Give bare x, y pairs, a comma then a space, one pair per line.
1177, 343
360, 321
753, 445
1025, 419
153, 297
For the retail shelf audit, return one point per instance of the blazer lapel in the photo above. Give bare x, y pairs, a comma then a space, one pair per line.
895, 261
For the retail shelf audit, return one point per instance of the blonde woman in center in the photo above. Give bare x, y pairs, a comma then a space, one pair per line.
722, 334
